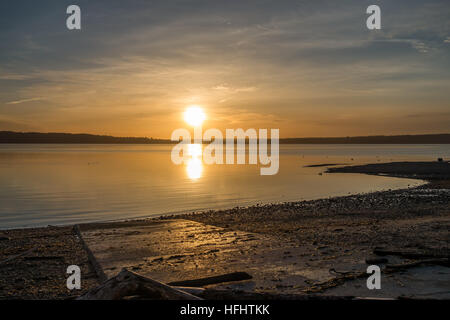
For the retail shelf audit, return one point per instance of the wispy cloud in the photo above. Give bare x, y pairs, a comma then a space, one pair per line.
24, 100
226, 88
12, 76
134, 67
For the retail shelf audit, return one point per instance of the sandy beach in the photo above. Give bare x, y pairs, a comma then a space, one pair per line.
319, 247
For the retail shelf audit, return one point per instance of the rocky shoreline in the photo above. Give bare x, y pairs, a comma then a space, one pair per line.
336, 233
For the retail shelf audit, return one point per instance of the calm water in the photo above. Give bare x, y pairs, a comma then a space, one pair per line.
65, 184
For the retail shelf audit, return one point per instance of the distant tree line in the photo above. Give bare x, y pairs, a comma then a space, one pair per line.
400, 139
37, 137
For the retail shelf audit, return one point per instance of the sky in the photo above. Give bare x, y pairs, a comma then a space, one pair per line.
308, 68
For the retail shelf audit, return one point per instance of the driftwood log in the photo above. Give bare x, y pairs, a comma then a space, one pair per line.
129, 284
229, 277
421, 258
410, 254
402, 266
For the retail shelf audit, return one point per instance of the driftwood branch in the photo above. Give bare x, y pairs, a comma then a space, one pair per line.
199, 292
408, 254
229, 277
127, 284
402, 266
337, 281
213, 294
389, 269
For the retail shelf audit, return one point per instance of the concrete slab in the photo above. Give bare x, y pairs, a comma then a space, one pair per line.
174, 250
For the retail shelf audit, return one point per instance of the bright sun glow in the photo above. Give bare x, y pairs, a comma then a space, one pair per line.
194, 165
194, 168
194, 116
195, 150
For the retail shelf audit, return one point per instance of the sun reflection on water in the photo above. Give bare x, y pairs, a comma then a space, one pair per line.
194, 166
195, 150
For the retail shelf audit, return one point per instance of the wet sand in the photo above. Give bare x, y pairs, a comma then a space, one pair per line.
298, 247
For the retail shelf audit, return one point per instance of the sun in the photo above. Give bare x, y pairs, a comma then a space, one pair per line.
194, 116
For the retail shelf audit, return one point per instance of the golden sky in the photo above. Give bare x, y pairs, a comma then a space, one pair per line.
309, 68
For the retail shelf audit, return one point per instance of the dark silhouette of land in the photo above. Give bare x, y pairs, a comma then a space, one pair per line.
37, 137
399, 139
434, 170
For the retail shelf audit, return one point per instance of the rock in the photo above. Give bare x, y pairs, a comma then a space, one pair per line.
178, 256
376, 260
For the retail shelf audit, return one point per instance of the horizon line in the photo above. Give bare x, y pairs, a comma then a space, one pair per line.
54, 137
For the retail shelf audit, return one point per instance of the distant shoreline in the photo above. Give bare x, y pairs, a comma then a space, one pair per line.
11, 137
426, 170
